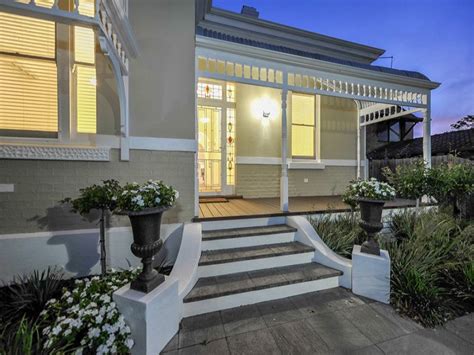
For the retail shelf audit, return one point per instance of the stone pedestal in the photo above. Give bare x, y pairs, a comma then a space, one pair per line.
371, 275
153, 317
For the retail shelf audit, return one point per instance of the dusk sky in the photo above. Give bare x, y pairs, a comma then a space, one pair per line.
435, 37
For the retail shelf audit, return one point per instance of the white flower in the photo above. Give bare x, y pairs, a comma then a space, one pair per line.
157, 200
129, 343
93, 333
52, 300
56, 330
67, 332
105, 298
99, 319
69, 300
102, 349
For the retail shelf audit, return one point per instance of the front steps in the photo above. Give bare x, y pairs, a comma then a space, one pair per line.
249, 263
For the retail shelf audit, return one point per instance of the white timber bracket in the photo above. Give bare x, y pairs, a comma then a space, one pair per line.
116, 39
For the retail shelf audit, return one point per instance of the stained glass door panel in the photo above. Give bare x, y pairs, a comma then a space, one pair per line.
210, 149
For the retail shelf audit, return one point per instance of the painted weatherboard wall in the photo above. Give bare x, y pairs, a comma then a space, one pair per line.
260, 139
257, 137
162, 77
40, 184
338, 128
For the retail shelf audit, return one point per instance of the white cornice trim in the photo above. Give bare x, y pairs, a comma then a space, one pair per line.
7, 188
51, 152
314, 64
259, 160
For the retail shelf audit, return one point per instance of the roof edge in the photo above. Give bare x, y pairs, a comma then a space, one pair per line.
376, 52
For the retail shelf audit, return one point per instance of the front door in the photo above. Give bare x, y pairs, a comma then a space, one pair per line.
210, 149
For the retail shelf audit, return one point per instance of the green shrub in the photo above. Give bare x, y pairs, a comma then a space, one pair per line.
23, 339
408, 180
339, 232
28, 295
402, 224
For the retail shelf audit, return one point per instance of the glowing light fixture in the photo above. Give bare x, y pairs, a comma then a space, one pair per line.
265, 108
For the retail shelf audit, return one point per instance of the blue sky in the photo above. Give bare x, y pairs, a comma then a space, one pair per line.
435, 37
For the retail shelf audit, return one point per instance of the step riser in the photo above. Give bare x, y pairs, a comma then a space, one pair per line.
242, 223
256, 264
241, 242
274, 293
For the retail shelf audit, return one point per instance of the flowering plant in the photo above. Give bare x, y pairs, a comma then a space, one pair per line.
86, 315
152, 194
369, 189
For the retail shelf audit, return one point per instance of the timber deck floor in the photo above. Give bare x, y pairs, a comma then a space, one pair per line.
246, 207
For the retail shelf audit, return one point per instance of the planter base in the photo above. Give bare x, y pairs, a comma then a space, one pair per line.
370, 247
147, 285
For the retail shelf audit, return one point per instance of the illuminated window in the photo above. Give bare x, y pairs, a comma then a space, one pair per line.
209, 91
85, 79
28, 77
302, 126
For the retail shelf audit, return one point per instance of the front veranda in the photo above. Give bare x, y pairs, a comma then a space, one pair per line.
288, 136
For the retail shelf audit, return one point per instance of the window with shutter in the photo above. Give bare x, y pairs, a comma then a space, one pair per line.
28, 77
85, 79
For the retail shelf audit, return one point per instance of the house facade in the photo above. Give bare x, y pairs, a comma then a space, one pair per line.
211, 102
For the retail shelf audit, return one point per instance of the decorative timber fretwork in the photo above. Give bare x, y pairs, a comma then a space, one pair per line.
376, 113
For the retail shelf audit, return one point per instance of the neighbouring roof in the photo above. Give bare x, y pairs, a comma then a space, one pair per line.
221, 35
455, 142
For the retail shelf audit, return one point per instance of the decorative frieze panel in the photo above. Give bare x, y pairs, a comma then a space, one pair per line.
40, 152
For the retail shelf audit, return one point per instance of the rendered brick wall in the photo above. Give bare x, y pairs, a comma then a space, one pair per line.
39, 185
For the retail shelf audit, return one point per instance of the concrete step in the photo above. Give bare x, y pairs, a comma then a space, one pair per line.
227, 291
230, 261
246, 237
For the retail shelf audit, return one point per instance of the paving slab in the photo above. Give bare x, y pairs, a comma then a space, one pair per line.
258, 342
279, 311
338, 332
228, 284
325, 301
428, 341
214, 347
405, 323
463, 327
172, 344
298, 337
372, 324
242, 319
201, 329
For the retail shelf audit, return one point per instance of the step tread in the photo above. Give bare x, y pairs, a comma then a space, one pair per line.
224, 285
222, 256
247, 232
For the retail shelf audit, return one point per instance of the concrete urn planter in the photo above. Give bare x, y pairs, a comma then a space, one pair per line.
146, 243
371, 223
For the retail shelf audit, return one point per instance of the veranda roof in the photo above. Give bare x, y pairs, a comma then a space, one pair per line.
220, 35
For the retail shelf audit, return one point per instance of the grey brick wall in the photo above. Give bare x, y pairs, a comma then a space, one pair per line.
255, 181
39, 185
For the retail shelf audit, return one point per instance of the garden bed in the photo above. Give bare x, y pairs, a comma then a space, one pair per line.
432, 260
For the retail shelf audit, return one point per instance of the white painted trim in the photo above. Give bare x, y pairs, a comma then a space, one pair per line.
241, 223
323, 254
297, 163
166, 144
53, 152
259, 160
252, 297
7, 188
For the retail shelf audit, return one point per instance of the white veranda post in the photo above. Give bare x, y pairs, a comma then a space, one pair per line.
284, 150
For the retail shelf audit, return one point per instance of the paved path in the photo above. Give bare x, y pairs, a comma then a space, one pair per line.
327, 322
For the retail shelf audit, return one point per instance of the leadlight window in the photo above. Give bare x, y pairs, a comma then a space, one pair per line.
209, 91
230, 142
303, 126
